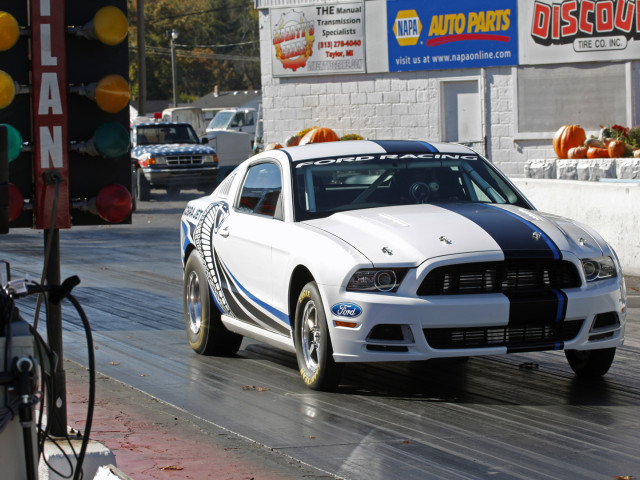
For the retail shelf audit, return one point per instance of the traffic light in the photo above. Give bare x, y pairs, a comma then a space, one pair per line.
64, 95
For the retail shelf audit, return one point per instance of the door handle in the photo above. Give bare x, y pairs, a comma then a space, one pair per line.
224, 232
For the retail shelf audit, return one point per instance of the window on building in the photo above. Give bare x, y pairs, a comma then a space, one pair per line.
589, 95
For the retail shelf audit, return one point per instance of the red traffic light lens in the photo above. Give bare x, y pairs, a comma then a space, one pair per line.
16, 202
113, 203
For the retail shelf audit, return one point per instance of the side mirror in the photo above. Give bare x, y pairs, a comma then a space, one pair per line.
204, 140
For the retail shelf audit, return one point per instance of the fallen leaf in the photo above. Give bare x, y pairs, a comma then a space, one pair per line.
114, 363
171, 467
624, 477
529, 366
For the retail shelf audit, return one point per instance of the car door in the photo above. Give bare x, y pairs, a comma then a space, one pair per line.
245, 246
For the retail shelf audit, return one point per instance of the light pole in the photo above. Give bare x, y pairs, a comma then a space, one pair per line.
173, 34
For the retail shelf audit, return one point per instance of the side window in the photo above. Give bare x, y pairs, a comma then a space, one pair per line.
261, 190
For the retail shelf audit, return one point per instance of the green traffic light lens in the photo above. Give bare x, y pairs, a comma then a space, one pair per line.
112, 93
110, 25
111, 140
15, 142
7, 89
9, 31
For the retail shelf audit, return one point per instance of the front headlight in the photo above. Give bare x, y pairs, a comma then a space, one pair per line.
209, 159
598, 268
376, 280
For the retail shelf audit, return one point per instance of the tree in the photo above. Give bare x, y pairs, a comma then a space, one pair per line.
217, 44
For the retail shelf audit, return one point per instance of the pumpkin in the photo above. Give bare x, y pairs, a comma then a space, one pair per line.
568, 136
595, 152
636, 153
292, 141
318, 135
578, 152
616, 149
272, 146
594, 142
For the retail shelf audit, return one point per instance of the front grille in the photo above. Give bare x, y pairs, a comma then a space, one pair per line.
525, 337
175, 160
511, 276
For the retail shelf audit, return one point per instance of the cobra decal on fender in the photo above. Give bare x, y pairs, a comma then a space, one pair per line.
346, 309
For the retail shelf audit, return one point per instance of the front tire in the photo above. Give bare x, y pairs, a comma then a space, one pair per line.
314, 352
205, 331
143, 189
590, 364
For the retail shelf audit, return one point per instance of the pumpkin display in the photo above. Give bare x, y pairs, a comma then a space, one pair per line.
578, 152
567, 137
594, 142
292, 141
616, 149
318, 135
595, 152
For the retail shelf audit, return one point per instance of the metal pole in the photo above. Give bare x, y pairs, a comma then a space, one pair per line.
142, 62
58, 417
174, 35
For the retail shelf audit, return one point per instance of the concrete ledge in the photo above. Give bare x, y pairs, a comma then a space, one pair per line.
589, 169
61, 459
611, 208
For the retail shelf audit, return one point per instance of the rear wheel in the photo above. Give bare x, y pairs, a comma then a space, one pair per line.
590, 363
205, 331
143, 189
313, 344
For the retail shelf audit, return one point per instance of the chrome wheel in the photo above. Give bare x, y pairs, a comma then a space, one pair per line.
311, 337
194, 303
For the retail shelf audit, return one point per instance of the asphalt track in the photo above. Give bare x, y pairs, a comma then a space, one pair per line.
511, 417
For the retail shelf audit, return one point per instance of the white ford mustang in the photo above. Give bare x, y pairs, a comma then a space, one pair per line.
374, 251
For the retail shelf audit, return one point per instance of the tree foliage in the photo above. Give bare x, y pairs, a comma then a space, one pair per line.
217, 44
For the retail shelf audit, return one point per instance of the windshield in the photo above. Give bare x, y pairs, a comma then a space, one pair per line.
326, 186
162, 134
220, 121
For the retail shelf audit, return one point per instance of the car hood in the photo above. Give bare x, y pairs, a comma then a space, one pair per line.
172, 149
409, 235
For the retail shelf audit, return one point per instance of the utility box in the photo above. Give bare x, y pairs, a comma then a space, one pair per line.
20, 343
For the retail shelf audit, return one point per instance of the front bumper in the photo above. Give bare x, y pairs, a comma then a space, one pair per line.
400, 328
183, 177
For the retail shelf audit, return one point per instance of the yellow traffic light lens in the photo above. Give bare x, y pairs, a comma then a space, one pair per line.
7, 89
112, 93
9, 31
110, 25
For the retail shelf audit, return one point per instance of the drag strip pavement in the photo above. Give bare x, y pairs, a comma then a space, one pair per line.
513, 417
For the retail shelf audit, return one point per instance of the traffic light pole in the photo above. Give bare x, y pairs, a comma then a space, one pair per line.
58, 411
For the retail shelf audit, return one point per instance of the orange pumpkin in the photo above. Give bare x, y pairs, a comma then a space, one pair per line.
567, 137
595, 152
292, 141
578, 152
617, 149
320, 134
272, 146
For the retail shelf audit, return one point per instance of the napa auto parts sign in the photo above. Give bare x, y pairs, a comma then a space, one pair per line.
579, 31
318, 39
453, 34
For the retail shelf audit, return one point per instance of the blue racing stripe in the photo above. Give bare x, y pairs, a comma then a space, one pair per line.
512, 233
405, 146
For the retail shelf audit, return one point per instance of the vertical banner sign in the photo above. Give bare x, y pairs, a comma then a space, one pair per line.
49, 111
454, 34
317, 40
579, 31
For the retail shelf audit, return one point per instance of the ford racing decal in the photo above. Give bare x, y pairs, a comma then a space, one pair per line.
346, 309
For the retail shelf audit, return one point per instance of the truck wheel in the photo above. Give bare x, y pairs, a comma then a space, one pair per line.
143, 189
590, 363
312, 342
205, 331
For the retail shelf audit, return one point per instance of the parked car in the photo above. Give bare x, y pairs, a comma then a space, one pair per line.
170, 156
379, 251
238, 119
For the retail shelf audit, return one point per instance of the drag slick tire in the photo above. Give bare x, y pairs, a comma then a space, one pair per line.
590, 363
311, 338
205, 331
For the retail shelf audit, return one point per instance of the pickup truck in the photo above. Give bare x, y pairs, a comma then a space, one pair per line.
169, 155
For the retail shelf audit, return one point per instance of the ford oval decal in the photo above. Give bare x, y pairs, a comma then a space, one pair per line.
346, 309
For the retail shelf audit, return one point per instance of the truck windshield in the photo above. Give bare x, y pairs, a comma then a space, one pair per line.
221, 121
161, 134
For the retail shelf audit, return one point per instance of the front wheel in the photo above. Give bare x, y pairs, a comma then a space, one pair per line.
205, 331
313, 343
143, 188
590, 363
